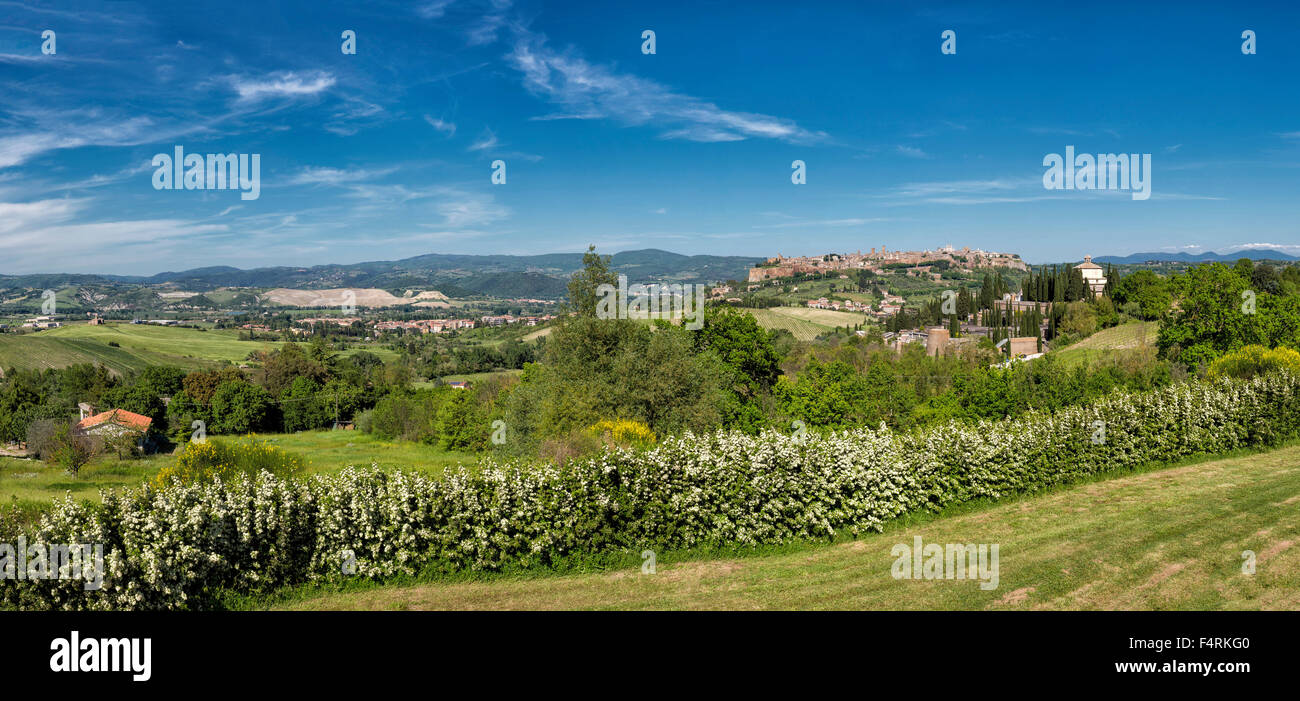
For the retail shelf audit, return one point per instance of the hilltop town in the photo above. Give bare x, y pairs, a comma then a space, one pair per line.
926, 262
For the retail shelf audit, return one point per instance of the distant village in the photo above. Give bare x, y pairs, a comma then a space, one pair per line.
939, 340
927, 264
304, 327
919, 262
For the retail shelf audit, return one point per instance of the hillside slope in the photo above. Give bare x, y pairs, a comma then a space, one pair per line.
138, 346
1164, 539
1133, 337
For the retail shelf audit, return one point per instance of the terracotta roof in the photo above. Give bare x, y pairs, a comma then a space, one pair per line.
121, 417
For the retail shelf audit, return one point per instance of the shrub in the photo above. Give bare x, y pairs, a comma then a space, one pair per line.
1250, 361
212, 460
623, 433
180, 546
366, 421
409, 416
40, 437
70, 449
574, 445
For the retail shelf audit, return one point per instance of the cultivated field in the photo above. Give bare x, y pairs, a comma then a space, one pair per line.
825, 317
139, 345
1164, 539
1133, 337
806, 324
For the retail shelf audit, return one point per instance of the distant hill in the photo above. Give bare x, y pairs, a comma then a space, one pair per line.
541, 276
1207, 257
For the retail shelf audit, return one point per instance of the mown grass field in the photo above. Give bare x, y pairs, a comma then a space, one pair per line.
1168, 538
1133, 337
139, 345
31, 484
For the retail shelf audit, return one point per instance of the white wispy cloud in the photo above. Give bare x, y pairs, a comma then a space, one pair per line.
441, 125
1284, 247
459, 208
585, 90
851, 221
23, 216
1058, 130
949, 187
485, 30
58, 132
434, 9
971, 192
53, 245
911, 151
486, 140
281, 84
24, 58
312, 175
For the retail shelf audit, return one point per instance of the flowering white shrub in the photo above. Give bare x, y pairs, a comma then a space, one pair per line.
178, 546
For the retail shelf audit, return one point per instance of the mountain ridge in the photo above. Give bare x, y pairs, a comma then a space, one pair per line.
543, 275
1207, 257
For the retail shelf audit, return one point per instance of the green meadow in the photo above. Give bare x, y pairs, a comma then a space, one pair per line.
30, 485
1160, 539
138, 346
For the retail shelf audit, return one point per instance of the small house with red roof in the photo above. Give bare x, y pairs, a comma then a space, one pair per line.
115, 419
115, 422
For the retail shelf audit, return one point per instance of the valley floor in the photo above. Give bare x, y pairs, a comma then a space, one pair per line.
1164, 539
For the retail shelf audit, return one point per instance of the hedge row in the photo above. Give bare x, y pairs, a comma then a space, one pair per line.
178, 546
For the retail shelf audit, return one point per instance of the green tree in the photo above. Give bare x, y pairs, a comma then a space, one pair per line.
1212, 317
162, 380
583, 285
741, 344
140, 399
200, 385
283, 366
301, 406
239, 407
460, 425
1148, 290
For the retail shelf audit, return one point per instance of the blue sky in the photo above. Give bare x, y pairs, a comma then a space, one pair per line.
387, 153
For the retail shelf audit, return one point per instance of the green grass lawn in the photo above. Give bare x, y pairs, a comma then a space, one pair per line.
139, 345
1163, 539
331, 451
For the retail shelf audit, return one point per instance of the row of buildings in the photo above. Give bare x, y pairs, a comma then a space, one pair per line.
424, 325
889, 306
938, 340
448, 325
963, 259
